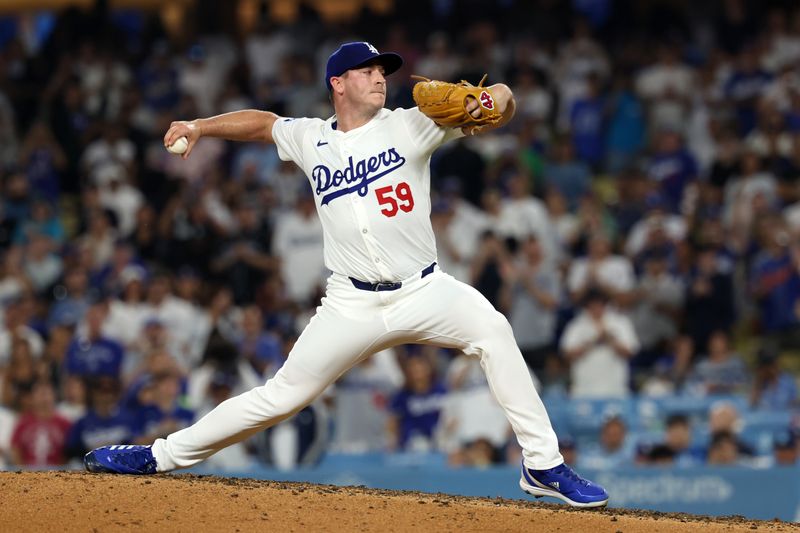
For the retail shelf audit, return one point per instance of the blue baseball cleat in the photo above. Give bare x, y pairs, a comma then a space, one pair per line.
562, 483
121, 459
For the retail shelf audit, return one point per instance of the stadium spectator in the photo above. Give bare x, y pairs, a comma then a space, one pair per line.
577, 59
458, 226
565, 173
588, 123
439, 61
603, 270
106, 280
678, 439
770, 140
744, 85
224, 358
723, 450
157, 78
744, 189
530, 297
43, 160
243, 261
774, 389
43, 220
521, 215
104, 422
260, 348
709, 297
534, 101
298, 242
459, 162
98, 239
42, 266
90, 353
489, 261
598, 343
415, 409
72, 299
659, 382
160, 412
626, 124
479, 453
614, 448
452, 245
12, 278
108, 156
256, 165
18, 313
658, 298
40, 434
671, 168
775, 285
74, 400
666, 88
470, 415
657, 230
120, 197
724, 418
566, 224
361, 403
126, 312
182, 323
722, 372
20, 373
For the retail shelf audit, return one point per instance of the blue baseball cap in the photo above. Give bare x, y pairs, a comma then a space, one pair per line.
353, 55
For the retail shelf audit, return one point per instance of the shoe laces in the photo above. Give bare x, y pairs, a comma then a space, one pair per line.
566, 471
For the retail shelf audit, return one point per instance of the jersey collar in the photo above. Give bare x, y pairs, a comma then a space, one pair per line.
334, 123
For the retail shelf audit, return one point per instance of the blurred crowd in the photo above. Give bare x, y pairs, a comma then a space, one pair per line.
638, 222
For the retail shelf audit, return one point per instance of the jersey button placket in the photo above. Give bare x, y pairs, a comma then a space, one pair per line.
367, 237
362, 217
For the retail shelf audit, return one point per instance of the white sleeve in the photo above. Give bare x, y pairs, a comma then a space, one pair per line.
626, 335
288, 134
636, 238
576, 278
624, 278
424, 131
574, 336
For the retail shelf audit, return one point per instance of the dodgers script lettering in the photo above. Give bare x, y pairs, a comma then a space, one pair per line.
357, 175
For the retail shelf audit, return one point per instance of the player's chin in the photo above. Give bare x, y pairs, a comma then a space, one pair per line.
379, 98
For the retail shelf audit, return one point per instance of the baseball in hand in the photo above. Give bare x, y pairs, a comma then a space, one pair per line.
179, 146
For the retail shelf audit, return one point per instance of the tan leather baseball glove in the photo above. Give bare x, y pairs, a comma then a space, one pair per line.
446, 103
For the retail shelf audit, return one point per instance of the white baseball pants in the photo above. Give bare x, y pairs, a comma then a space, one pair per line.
350, 325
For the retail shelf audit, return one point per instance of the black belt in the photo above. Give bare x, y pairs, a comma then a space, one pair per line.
386, 285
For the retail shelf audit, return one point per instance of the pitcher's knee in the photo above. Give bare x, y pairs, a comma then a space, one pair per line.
495, 336
496, 325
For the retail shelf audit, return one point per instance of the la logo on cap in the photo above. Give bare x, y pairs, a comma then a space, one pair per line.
371, 48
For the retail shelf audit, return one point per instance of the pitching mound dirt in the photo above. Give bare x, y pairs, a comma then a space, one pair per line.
66, 501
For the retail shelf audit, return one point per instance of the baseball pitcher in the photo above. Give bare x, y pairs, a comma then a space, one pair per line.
368, 167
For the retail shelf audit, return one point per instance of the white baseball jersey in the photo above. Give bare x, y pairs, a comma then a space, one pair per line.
372, 189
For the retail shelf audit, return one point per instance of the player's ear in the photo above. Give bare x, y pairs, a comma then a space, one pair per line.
337, 86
